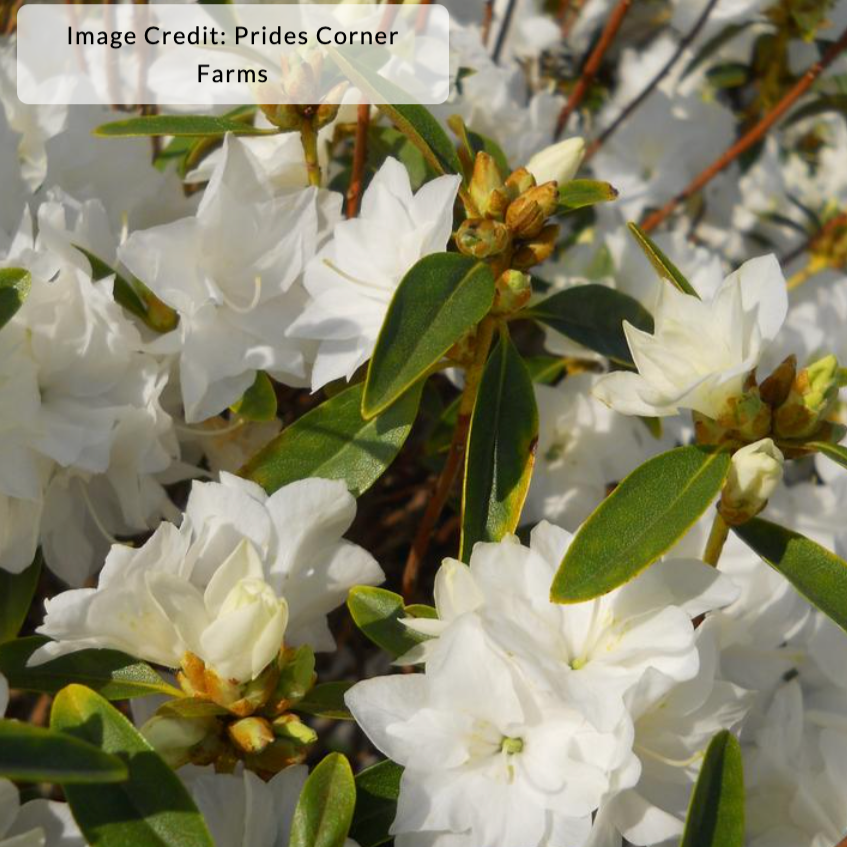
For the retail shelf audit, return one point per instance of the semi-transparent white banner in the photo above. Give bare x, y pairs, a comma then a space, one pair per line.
215, 55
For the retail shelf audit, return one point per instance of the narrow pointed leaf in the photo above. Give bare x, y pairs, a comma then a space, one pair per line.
326, 701
179, 125
818, 574
14, 289
334, 441
377, 790
501, 449
16, 593
640, 520
114, 675
34, 754
258, 403
579, 193
440, 298
377, 613
152, 807
325, 808
593, 315
124, 292
424, 131
716, 813
663, 266
836, 452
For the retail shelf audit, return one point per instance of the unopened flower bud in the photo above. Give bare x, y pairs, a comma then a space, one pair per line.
559, 162
513, 291
251, 735
754, 474
326, 113
774, 390
290, 727
174, 738
810, 401
538, 250
296, 677
519, 182
526, 216
284, 117
486, 187
483, 238
746, 416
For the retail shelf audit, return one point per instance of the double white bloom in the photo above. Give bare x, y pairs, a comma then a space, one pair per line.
241, 573
701, 351
524, 722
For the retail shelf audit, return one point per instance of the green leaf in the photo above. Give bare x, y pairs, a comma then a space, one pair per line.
819, 575
259, 401
728, 75
326, 701
545, 370
593, 315
190, 707
333, 441
377, 613
124, 291
152, 807
474, 142
716, 814
836, 452
16, 593
179, 125
821, 105
502, 439
33, 754
377, 790
714, 44
114, 675
425, 132
639, 521
14, 289
579, 193
440, 298
325, 808
663, 266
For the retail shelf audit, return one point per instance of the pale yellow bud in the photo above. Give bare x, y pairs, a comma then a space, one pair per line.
559, 162
754, 474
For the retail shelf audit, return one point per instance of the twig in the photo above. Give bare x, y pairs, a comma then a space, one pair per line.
569, 13
653, 84
455, 457
487, 19
593, 64
504, 30
360, 157
832, 223
753, 136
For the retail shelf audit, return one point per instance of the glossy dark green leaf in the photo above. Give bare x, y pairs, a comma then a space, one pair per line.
124, 291
14, 289
728, 75
501, 449
593, 315
334, 441
258, 403
325, 808
34, 754
152, 807
818, 574
663, 266
179, 125
545, 370
579, 193
836, 452
424, 131
377, 613
716, 812
114, 675
440, 298
640, 520
326, 700
16, 593
377, 790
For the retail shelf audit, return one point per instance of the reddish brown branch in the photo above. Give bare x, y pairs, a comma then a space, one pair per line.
752, 137
360, 158
487, 20
591, 67
653, 84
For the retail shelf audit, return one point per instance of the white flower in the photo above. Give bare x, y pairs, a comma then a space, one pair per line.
702, 350
558, 162
592, 653
242, 571
232, 273
353, 278
38, 823
583, 448
489, 759
754, 475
